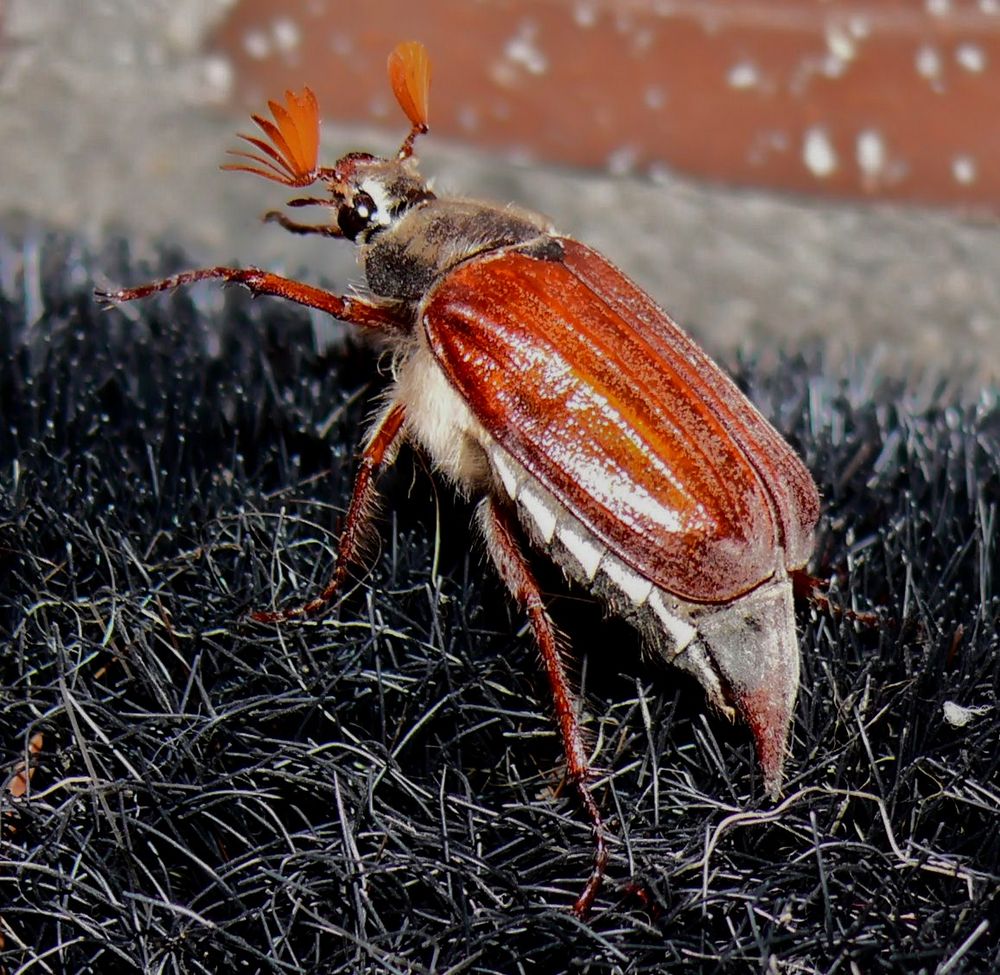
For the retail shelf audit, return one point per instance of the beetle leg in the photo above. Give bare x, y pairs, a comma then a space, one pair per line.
809, 587
379, 453
354, 311
501, 542
293, 226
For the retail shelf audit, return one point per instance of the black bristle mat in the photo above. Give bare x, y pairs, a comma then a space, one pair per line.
380, 790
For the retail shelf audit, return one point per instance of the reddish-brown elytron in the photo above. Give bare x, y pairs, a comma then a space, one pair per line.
542, 383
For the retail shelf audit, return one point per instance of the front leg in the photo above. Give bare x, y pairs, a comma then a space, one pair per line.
379, 453
500, 532
354, 311
295, 227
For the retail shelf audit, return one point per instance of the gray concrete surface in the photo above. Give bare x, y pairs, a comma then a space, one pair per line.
112, 119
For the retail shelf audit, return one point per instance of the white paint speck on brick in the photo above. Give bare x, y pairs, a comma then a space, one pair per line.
523, 50
964, 170
287, 34
818, 153
870, 152
654, 97
743, 75
584, 14
257, 44
971, 57
928, 62
840, 42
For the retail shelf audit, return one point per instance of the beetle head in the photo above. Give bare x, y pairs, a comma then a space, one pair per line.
368, 193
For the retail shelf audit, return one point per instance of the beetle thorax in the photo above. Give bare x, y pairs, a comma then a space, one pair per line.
405, 259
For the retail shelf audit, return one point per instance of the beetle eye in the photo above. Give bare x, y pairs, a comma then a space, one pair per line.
356, 217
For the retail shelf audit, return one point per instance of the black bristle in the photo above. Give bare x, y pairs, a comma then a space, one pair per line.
380, 790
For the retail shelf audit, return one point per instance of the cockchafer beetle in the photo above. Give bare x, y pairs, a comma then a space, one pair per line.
545, 385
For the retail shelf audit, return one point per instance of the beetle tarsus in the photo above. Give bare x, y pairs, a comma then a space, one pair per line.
293, 226
583, 903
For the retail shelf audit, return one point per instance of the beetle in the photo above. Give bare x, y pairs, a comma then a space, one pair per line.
544, 385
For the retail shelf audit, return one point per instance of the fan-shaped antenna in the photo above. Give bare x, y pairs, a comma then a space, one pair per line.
292, 153
410, 77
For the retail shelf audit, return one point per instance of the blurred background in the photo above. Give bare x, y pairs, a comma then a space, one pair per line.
795, 169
